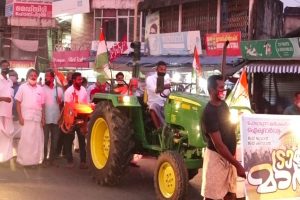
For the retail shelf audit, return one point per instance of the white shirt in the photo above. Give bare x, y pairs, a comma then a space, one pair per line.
6, 90
32, 100
89, 89
154, 97
52, 111
71, 93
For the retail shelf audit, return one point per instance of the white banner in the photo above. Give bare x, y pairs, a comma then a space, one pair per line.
180, 43
26, 45
70, 7
36, 22
152, 24
271, 156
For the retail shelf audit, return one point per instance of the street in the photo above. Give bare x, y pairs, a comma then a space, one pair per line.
58, 182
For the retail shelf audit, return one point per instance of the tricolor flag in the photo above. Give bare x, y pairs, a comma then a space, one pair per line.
60, 78
196, 62
102, 64
239, 95
117, 50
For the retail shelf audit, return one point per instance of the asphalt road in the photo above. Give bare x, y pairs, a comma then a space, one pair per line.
60, 183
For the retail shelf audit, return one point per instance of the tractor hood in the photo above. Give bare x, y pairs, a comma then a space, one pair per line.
195, 99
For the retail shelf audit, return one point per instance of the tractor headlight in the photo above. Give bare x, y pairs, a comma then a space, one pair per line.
124, 99
234, 116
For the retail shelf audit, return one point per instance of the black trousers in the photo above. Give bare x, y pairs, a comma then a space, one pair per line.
60, 149
52, 131
68, 144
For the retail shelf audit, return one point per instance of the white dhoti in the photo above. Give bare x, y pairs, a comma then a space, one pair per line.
6, 139
31, 144
218, 176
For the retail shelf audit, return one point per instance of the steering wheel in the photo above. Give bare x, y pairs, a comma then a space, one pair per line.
163, 95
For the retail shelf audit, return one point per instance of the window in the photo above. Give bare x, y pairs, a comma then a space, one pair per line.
115, 24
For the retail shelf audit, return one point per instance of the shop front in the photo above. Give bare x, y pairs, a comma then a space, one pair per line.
274, 68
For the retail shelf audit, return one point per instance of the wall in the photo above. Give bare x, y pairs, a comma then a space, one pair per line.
268, 19
82, 31
234, 16
291, 19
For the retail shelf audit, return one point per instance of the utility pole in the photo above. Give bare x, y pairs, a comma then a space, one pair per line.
136, 45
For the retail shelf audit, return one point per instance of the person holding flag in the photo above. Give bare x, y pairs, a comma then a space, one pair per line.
53, 99
102, 62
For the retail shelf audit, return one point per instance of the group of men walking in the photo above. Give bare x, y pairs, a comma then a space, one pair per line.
36, 114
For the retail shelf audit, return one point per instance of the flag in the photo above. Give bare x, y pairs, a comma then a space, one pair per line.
239, 95
117, 50
102, 63
196, 62
60, 78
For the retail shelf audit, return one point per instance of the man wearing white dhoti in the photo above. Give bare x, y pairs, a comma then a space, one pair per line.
30, 108
6, 123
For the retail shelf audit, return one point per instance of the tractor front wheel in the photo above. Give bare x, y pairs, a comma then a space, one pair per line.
171, 177
110, 143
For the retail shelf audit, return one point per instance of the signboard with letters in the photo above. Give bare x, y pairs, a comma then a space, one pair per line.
70, 7
282, 48
71, 58
215, 43
26, 8
271, 156
179, 43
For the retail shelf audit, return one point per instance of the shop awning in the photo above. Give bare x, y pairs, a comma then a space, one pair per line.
273, 67
233, 63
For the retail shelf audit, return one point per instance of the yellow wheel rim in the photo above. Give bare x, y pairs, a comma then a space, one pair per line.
166, 180
100, 143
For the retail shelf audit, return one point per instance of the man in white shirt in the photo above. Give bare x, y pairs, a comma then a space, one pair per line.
31, 113
6, 122
155, 100
76, 94
53, 98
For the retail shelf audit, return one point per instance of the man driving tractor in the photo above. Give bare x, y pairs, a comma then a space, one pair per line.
155, 100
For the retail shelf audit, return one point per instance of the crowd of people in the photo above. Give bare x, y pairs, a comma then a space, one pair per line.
30, 113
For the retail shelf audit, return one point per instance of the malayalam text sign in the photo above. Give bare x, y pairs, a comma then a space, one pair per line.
215, 43
283, 48
271, 156
32, 10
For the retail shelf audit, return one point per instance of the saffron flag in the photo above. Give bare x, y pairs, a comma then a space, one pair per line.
196, 62
60, 78
102, 64
117, 50
239, 95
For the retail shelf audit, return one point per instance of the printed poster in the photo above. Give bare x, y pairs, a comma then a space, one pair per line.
215, 43
271, 156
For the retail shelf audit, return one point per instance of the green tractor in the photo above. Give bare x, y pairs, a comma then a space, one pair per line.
120, 126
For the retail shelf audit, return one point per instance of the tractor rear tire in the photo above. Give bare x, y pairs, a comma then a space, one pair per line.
110, 143
171, 177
